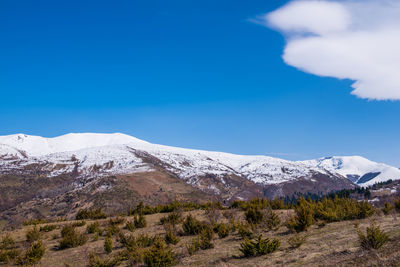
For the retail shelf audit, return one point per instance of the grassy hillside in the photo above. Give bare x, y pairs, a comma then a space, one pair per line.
221, 233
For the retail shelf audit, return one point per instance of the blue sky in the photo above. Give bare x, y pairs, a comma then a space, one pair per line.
194, 74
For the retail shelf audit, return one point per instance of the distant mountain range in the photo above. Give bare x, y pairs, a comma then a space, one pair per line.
85, 166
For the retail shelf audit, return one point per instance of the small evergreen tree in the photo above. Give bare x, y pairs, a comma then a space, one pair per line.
159, 255
374, 238
397, 204
254, 215
139, 220
258, 247
387, 208
304, 216
108, 245
34, 253
170, 237
32, 234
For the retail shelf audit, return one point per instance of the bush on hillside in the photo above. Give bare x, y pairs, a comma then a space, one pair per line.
170, 237
397, 204
32, 234
71, 238
174, 218
130, 226
35, 253
258, 247
95, 261
79, 223
303, 218
202, 241
374, 238
93, 214
139, 220
93, 228
7, 242
192, 226
159, 255
48, 228
223, 230
108, 245
254, 215
387, 208
246, 230
271, 220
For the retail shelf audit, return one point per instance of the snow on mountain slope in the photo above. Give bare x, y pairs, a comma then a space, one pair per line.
360, 170
120, 154
39, 146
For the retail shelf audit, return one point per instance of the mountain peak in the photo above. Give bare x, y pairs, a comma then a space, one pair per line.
39, 146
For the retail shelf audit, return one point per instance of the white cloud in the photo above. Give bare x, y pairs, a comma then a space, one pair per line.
355, 39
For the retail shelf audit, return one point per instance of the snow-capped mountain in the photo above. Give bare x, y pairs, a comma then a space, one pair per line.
358, 169
57, 176
123, 154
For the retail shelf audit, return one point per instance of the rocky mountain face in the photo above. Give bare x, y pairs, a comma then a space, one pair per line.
55, 176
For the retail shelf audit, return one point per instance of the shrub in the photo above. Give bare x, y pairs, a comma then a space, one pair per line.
397, 204
139, 221
170, 237
297, 240
254, 215
128, 241
159, 255
364, 210
223, 230
116, 221
374, 237
304, 216
246, 230
272, 220
108, 245
71, 238
95, 261
112, 229
191, 226
174, 218
34, 253
339, 209
78, 224
48, 228
194, 246
258, 247
206, 235
7, 242
145, 240
93, 228
32, 234
130, 226
6, 256
202, 241
93, 214
387, 208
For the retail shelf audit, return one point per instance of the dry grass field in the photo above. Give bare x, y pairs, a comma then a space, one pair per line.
333, 244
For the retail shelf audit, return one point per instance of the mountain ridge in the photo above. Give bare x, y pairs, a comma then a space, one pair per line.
117, 146
57, 176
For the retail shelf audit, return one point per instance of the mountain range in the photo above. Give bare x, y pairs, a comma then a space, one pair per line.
114, 171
